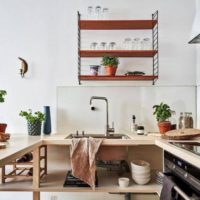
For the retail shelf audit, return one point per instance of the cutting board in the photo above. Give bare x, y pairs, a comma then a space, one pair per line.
182, 134
2, 146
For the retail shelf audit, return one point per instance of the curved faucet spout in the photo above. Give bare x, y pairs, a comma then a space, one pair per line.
107, 116
96, 97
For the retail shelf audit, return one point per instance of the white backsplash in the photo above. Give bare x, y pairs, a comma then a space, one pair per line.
74, 113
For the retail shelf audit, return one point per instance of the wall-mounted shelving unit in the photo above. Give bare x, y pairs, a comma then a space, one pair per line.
120, 25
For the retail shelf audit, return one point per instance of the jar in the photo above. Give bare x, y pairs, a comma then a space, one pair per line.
140, 130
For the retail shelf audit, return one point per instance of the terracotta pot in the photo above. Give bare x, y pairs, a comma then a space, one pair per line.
110, 70
164, 126
3, 127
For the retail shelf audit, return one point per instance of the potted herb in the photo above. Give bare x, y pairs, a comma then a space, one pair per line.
2, 99
110, 63
163, 113
34, 121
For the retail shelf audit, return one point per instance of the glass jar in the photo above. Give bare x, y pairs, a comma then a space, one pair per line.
136, 45
127, 44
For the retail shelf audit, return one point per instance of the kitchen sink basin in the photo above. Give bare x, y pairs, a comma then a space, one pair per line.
111, 136
107, 153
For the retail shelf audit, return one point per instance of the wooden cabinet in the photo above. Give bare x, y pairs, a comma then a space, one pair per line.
120, 25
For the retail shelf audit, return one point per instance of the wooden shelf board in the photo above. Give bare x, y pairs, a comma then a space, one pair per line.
117, 78
116, 24
118, 53
53, 182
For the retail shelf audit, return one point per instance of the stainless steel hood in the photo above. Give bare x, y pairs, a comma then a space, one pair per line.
195, 34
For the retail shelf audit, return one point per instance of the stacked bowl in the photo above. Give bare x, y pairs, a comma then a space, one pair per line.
141, 172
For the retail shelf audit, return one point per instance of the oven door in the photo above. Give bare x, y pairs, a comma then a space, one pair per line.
185, 176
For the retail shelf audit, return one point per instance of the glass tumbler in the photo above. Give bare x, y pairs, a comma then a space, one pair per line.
102, 46
98, 12
112, 46
90, 12
94, 46
127, 44
146, 44
105, 13
136, 45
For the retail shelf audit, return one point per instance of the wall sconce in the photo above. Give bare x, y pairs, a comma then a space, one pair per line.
23, 67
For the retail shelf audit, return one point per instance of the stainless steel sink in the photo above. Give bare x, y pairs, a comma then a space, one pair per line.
111, 136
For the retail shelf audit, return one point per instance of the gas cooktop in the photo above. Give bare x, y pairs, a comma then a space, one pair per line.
193, 147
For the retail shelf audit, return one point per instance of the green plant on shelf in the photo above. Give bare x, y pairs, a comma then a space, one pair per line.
110, 61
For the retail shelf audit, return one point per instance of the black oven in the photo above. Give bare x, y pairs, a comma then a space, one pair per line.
185, 175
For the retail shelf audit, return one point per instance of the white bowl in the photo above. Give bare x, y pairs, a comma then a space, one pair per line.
141, 176
140, 165
123, 182
139, 172
141, 181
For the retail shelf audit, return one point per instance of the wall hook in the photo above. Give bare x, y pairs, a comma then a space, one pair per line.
24, 67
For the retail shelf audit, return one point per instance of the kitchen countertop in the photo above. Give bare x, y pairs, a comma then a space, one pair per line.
20, 144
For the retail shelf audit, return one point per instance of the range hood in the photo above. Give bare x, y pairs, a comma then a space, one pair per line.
195, 34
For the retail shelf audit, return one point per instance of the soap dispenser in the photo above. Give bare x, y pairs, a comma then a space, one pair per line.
133, 125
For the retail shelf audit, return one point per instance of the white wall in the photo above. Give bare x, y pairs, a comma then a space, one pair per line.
45, 34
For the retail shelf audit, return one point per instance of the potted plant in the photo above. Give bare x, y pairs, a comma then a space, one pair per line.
110, 63
163, 113
2, 99
34, 121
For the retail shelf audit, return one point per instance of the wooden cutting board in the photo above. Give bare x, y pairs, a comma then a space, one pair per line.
182, 134
2, 146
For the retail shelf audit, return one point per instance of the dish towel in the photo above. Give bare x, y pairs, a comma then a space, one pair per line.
167, 192
82, 154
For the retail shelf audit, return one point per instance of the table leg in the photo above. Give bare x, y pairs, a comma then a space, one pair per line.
36, 168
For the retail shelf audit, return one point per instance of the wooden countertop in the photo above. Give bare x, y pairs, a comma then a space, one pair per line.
18, 145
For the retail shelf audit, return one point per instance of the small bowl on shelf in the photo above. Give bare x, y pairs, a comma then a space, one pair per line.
123, 182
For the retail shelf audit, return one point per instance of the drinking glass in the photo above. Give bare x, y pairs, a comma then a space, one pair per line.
90, 12
127, 44
146, 44
102, 46
94, 46
105, 13
136, 45
98, 12
112, 46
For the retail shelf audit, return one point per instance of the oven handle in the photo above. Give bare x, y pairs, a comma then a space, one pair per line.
185, 196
